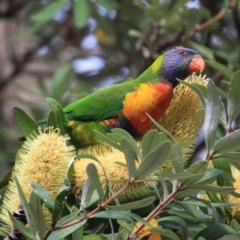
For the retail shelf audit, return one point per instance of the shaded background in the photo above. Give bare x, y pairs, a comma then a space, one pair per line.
66, 49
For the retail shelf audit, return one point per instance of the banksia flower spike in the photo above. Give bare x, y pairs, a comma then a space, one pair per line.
181, 119
43, 159
117, 176
235, 210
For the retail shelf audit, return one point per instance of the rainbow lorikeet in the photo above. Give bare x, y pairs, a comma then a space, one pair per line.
125, 105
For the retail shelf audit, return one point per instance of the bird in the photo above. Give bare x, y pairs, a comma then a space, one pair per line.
126, 105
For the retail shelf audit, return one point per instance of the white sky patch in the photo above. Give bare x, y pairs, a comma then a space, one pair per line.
193, 4
91, 63
43, 50
89, 42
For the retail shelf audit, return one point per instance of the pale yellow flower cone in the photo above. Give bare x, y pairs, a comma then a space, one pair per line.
235, 210
181, 120
117, 176
43, 159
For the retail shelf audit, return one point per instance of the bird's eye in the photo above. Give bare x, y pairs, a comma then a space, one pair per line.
181, 52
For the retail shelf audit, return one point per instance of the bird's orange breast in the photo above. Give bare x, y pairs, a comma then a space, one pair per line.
148, 98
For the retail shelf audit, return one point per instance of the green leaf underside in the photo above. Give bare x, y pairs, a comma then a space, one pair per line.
25, 123
153, 160
233, 103
212, 115
133, 205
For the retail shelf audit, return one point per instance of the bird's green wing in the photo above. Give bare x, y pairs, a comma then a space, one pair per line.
102, 104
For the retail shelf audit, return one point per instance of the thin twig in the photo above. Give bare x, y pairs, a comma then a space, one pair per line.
212, 20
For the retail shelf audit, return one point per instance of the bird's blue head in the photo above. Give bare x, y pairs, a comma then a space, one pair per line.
179, 62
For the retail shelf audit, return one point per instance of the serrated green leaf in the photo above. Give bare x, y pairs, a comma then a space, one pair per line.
221, 68
151, 140
222, 92
226, 178
84, 155
78, 234
215, 205
228, 143
60, 234
129, 139
25, 123
214, 214
51, 120
61, 80
215, 231
175, 176
94, 177
112, 215
58, 114
212, 116
107, 140
162, 129
232, 157
26, 208
87, 192
47, 12
177, 220
166, 232
235, 236
72, 217
199, 170
177, 163
81, 12
36, 207
126, 225
197, 88
183, 215
235, 225
211, 188
187, 192
133, 205
223, 115
22, 228
71, 170
153, 160
130, 156
59, 203
211, 175
43, 194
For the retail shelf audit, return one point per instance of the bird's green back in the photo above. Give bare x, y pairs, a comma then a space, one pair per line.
108, 102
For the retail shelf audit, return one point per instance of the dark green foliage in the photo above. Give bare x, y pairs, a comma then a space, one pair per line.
138, 33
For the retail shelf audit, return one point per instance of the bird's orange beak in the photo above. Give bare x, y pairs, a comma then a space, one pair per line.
197, 64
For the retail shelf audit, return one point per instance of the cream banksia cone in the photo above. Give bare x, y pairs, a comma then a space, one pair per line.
181, 120
43, 159
235, 210
117, 176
